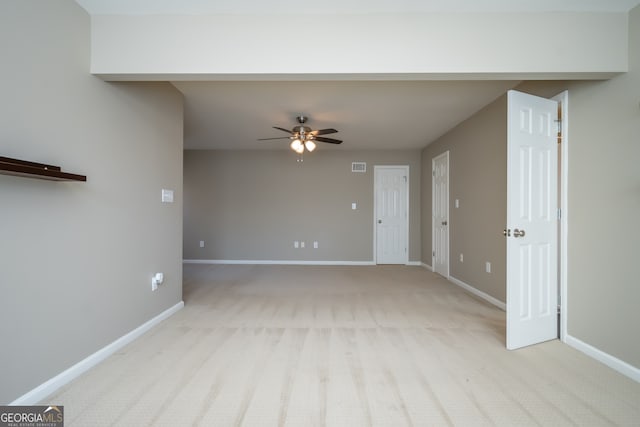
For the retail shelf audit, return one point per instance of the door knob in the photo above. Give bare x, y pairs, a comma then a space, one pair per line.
379, 221
444, 222
518, 233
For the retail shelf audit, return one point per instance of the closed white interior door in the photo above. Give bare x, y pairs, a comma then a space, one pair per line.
391, 214
532, 220
440, 214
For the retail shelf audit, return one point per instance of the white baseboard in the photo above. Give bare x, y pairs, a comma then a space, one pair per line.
46, 389
427, 266
285, 262
502, 306
613, 362
275, 262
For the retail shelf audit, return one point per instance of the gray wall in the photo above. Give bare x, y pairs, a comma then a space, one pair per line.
604, 209
604, 203
477, 178
253, 204
77, 258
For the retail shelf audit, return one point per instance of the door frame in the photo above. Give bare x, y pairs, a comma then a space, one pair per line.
433, 225
563, 101
376, 168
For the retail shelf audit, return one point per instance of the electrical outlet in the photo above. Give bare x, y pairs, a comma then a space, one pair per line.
202, 243
302, 245
296, 244
487, 267
156, 280
315, 244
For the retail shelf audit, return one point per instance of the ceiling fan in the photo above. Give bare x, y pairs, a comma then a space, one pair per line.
302, 136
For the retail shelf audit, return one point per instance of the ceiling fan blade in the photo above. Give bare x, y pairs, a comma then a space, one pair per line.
283, 129
329, 140
269, 139
323, 132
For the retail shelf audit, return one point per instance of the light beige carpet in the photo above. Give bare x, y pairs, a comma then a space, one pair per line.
341, 346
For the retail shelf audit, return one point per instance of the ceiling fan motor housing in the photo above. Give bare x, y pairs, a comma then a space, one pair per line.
302, 130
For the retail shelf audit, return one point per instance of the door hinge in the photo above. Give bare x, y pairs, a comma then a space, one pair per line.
559, 214
433, 253
433, 173
559, 122
405, 179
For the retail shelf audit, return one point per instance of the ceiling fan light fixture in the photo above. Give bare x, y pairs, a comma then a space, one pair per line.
310, 145
296, 145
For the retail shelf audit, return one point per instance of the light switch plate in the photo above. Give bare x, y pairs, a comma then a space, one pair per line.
167, 196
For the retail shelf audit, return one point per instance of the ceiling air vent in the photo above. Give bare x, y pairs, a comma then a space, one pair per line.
358, 167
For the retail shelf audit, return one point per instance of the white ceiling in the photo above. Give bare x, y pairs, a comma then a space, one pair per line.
137, 7
368, 114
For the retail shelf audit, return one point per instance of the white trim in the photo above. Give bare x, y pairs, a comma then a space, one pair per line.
563, 99
427, 266
51, 386
289, 262
375, 208
613, 362
273, 262
502, 306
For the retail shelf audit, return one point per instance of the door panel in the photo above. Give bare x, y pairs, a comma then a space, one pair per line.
531, 220
391, 214
440, 214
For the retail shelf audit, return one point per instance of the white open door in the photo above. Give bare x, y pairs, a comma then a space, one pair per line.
440, 214
391, 214
532, 220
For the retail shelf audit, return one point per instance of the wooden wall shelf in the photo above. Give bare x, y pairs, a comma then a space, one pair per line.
9, 166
